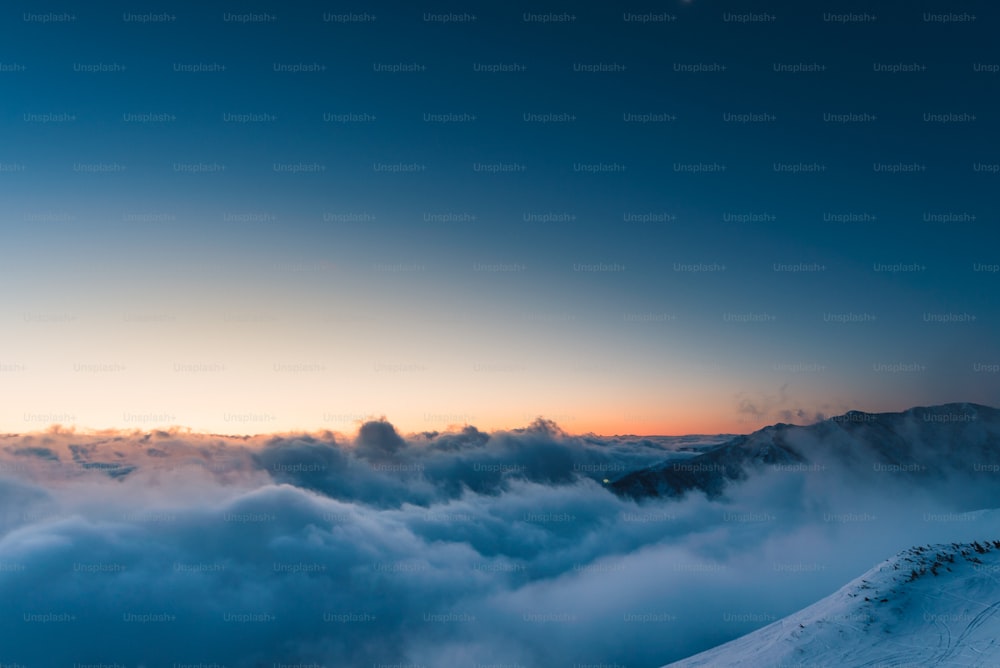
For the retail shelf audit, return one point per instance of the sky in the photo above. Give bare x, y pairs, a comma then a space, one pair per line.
650, 218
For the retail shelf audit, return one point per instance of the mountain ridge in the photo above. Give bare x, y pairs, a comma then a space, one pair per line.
929, 605
921, 442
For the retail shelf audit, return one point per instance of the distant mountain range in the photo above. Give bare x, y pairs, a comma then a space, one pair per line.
954, 446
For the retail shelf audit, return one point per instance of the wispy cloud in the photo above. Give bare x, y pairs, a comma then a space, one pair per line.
439, 549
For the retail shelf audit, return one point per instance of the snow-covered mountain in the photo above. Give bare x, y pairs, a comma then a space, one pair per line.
932, 605
953, 446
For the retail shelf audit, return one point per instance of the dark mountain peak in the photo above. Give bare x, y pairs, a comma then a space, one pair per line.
928, 443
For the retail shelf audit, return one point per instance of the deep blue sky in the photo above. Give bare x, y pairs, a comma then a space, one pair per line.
250, 269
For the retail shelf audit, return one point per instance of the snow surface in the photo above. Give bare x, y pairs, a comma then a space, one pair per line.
931, 605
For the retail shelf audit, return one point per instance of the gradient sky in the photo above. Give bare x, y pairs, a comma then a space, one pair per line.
135, 293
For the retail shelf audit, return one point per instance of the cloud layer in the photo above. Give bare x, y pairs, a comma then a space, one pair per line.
443, 550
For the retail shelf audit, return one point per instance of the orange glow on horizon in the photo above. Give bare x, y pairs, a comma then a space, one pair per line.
593, 426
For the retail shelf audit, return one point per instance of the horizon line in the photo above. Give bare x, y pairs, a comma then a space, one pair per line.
60, 428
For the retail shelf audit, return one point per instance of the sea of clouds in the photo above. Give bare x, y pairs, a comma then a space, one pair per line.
441, 550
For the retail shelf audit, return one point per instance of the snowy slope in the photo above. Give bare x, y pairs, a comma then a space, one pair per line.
936, 605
